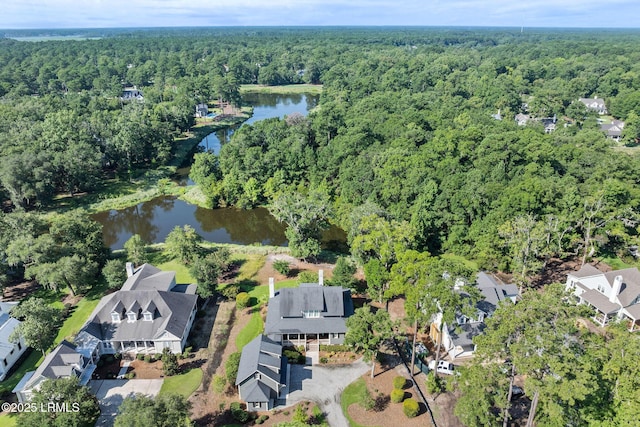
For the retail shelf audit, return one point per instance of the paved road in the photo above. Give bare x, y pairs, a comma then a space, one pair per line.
324, 385
111, 393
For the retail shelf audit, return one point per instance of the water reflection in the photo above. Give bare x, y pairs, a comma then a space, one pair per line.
153, 220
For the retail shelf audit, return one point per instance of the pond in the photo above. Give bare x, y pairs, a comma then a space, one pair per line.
265, 106
153, 220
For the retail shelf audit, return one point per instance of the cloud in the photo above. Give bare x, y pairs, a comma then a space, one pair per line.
145, 13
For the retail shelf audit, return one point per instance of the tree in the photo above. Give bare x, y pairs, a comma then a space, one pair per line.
524, 237
231, 367
377, 278
81, 406
114, 273
169, 362
436, 289
39, 323
343, 274
367, 331
167, 410
183, 243
306, 217
136, 250
207, 269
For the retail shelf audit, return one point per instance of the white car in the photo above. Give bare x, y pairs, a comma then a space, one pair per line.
443, 367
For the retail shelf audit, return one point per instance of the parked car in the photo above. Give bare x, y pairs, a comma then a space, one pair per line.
443, 367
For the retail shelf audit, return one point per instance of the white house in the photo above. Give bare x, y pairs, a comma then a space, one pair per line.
594, 104
457, 339
148, 314
63, 362
10, 351
613, 296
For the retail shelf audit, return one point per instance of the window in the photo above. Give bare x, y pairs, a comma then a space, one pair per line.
131, 317
115, 317
11, 352
312, 314
257, 376
601, 288
19, 346
257, 404
4, 361
293, 336
148, 317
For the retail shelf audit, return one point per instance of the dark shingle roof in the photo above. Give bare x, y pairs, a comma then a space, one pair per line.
59, 364
255, 358
149, 277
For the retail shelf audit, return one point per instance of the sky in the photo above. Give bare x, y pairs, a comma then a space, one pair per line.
178, 13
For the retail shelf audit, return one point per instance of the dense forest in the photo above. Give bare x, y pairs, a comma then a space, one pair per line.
413, 151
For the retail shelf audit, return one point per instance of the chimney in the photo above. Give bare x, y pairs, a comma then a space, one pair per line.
272, 288
321, 277
615, 290
129, 269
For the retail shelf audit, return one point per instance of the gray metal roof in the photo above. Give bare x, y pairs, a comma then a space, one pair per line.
255, 359
312, 297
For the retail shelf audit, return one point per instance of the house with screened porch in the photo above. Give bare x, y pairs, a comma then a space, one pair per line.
613, 296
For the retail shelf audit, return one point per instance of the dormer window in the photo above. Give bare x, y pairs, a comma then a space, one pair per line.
131, 317
115, 317
148, 317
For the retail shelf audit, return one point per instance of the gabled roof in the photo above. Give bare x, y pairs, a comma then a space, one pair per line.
149, 277
600, 301
586, 270
336, 307
493, 291
329, 300
7, 326
260, 355
62, 362
462, 335
172, 315
630, 289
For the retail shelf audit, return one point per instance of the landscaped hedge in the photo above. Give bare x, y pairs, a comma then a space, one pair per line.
242, 300
397, 395
410, 408
399, 382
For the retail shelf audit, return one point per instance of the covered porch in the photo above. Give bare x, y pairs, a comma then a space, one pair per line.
137, 347
632, 315
605, 310
309, 341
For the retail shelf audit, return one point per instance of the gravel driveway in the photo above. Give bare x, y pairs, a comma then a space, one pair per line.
324, 385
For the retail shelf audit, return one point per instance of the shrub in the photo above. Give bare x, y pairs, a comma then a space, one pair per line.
308, 277
410, 407
399, 382
147, 358
239, 414
293, 356
169, 362
324, 360
242, 300
433, 383
397, 395
261, 419
368, 402
282, 267
230, 291
219, 383
231, 367
300, 415
130, 375
334, 347
140, 357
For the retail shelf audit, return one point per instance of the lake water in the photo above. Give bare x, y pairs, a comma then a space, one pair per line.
153, 220
265, 106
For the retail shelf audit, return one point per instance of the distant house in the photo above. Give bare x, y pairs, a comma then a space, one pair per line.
594, 104
613, 130
549, 123
202, 110
309, 315
457, 339
63, 362
132, 94
262, 374
613, 296
10, 351
148, 314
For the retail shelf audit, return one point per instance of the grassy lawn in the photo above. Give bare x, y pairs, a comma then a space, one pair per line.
616, 263
183, 384
73, 323
29, 364
252, 330
10, 420
468, 263
354, 393
285, 89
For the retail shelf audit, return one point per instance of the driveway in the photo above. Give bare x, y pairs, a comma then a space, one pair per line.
324, 385
111, 393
